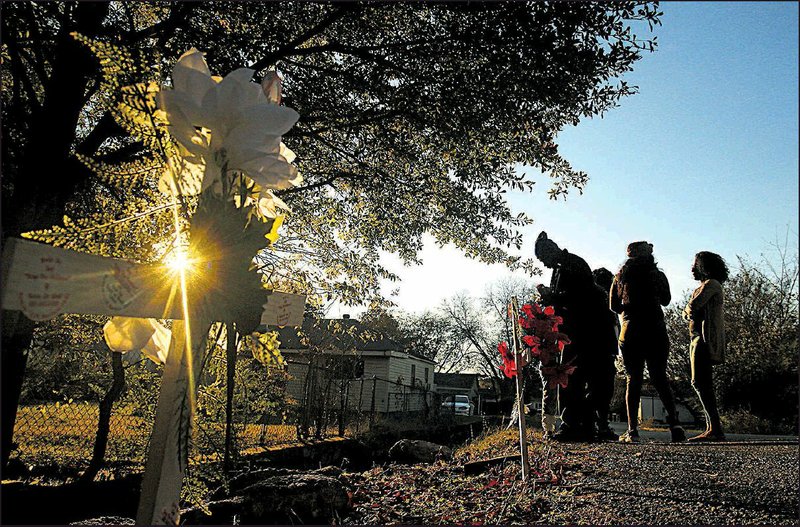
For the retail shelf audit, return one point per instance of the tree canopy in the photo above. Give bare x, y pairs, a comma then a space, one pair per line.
413, 116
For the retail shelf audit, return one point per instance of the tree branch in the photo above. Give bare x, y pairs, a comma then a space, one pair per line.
328, 181
177, 14
271, 58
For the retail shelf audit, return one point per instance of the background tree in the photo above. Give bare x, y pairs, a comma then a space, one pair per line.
413, 118
477, 325
757, 385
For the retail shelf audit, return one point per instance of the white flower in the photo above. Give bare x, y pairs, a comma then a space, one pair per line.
227, 122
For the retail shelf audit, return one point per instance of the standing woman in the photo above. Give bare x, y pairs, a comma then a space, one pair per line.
637, 293
707, 330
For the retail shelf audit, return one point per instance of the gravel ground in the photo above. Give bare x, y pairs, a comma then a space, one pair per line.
683, 484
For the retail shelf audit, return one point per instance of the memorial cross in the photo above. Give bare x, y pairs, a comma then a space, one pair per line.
43, 281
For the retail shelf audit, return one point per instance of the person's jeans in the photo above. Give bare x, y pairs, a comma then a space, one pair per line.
601, 387
635, 356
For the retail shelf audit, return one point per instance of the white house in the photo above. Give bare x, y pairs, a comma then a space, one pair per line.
651, 407
371, 370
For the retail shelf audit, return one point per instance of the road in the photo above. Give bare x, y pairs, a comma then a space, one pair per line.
663, 436
748, 480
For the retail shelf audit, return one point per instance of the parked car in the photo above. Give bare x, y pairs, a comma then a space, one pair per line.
459, 405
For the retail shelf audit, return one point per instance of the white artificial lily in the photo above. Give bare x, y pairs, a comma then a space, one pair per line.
229, 123
123, 334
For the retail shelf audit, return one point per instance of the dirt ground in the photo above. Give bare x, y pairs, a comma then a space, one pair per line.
654, 482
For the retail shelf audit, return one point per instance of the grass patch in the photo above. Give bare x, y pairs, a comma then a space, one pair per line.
55, 441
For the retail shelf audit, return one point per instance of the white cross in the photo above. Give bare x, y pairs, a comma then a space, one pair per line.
44, 281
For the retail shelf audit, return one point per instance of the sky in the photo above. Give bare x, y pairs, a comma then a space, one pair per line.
704, 157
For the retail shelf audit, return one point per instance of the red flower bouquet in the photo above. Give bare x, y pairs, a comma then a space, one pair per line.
541, 340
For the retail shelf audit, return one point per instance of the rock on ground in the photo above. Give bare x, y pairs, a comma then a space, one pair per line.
415, 451
284, 499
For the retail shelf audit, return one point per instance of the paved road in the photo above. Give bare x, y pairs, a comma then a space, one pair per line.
663, 436
749, 480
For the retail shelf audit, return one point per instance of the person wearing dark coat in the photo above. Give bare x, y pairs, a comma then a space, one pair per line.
571, 291
603, 369
637, 293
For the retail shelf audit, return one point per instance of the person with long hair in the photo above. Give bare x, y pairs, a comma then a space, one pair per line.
637, 293
705, 313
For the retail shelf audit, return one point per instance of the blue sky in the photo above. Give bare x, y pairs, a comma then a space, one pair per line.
704, 157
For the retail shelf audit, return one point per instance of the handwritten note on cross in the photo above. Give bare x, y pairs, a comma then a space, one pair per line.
44, 281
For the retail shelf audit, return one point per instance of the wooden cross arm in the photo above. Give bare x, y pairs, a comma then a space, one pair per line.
43, 281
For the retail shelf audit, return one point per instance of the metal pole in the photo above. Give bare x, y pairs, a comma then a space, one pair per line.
523, 439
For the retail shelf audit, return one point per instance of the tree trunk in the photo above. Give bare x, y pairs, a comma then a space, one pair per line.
44, 183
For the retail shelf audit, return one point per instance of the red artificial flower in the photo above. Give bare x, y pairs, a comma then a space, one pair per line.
546, 356
503, 349
531, 310
509, 368
531, 341
558, 375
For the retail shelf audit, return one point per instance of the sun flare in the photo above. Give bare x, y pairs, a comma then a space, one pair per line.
178, 261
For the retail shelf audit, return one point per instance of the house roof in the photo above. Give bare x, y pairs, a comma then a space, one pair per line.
455, 380
340, 334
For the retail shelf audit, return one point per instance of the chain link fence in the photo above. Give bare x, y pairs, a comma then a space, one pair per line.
57, 421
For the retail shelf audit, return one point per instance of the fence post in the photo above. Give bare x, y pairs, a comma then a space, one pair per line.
324, 412
104, 418
372, 408
360, 402
343, 407
229, 386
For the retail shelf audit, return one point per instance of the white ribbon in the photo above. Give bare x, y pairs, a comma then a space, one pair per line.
123, 334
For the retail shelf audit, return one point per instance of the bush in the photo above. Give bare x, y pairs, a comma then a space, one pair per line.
743, 422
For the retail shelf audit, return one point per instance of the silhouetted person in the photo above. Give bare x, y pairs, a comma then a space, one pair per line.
570, 293
637, 293
603, 370
705, 313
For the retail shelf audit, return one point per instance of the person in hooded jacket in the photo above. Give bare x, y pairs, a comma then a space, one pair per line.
637, 293
571, 293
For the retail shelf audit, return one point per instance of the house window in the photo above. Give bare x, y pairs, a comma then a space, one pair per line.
343, 367
426, 375
413, 374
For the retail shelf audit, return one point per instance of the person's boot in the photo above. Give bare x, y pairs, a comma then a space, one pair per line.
677, 434
604, 433
570, 434
708, 436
